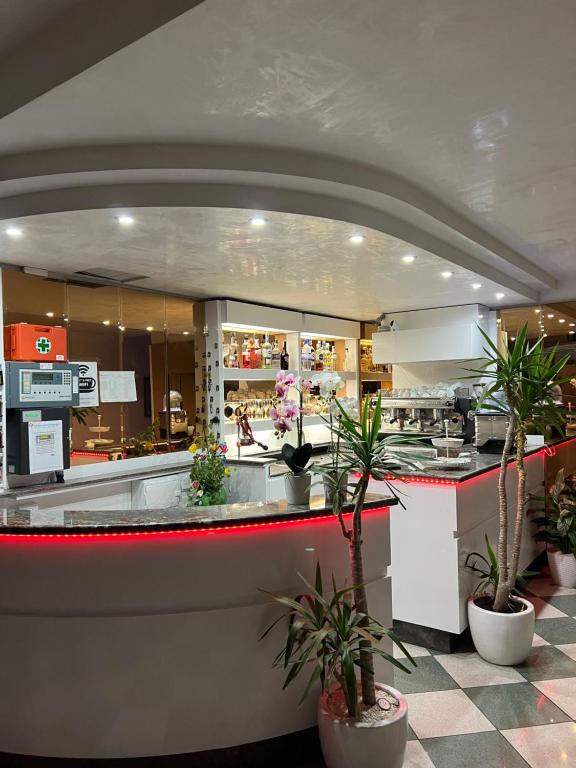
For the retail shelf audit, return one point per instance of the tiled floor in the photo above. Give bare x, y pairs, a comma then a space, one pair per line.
465, 712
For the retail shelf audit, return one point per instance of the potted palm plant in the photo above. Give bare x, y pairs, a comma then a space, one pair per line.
352, 730
558, 529
520, 384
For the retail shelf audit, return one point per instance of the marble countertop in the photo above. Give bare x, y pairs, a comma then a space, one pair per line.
19, 520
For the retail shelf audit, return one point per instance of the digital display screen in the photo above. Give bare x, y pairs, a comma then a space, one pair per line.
46, 377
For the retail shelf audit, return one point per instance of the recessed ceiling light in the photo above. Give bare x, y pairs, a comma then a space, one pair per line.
13, 231
571, 332
356, 238
149, 328
561, 320
49, 314
409, 258
258, 221
537, 311
550, 316
499, 295
571, 325
125, 220
480, 317
476, 286
105, 322
446, 275
185, 333
544, 334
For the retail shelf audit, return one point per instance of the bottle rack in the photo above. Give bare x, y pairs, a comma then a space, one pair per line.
253, 388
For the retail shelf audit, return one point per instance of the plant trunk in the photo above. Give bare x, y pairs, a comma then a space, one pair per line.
366, 658
503, 590
520, 507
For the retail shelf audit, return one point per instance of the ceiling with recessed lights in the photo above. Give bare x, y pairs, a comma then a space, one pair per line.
447, 126
302, 262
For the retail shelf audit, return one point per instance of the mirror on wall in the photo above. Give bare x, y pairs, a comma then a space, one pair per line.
119, 330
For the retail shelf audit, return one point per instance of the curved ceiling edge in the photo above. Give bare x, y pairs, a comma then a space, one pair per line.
280, 162
251, 197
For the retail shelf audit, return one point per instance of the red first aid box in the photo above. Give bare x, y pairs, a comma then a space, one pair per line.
28, 343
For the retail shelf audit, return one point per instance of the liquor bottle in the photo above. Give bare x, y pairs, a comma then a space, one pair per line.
284, 358
319, 356
306, 356
347, 360
266, 353
256, 354
233, 352
327, 357
225, 351
275, 355
245, 352
334, 358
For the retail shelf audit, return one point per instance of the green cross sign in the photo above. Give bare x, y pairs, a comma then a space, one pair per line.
43, 345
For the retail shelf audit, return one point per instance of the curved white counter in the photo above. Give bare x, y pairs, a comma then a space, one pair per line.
136, 634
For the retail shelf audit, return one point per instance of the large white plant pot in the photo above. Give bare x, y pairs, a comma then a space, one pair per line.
562, 568
350, 744
502, 638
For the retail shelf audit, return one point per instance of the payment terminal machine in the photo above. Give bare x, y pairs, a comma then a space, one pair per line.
38, 401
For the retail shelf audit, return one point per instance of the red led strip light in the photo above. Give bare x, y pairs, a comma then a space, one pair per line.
186, 532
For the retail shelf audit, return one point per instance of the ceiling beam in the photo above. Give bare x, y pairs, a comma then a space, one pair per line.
82, 36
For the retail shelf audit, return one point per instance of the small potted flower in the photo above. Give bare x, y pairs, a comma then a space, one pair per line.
208, 473
286, 415
558, 529
335, 481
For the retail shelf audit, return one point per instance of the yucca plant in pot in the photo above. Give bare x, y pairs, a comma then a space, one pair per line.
520, 383
557, 527
354, 729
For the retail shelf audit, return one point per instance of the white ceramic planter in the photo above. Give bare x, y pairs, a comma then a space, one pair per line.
298, 488
347, 744
502, 638
562, 568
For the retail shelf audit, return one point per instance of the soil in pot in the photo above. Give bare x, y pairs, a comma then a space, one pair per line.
386, 707
486, 602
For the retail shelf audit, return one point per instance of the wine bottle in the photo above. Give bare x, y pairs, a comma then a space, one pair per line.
266, 353
284, 358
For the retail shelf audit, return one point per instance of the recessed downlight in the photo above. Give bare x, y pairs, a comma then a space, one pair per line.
185, 333
561, 320
571, 325
105, 322
409, 258
14, 232
125, 219
570, 333
149, 328
499, 296
544, 335
446, 275
258, 221
49, 314
550, 316
356, 238
538, 311
476, 286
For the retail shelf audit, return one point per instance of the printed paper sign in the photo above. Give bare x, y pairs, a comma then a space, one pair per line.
88, 385
45, 446
117, 387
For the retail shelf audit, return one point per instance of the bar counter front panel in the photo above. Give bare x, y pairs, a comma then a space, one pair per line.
127, 637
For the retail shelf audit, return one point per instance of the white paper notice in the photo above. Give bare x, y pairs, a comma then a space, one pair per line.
88, 385
117, 387
45, 446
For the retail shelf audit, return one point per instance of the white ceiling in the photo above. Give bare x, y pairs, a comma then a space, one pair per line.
470, 103
302, 262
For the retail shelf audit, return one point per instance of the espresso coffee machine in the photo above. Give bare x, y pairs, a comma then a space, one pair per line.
426, 416
176, 419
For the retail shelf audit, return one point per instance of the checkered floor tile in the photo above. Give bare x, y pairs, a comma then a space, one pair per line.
464, 711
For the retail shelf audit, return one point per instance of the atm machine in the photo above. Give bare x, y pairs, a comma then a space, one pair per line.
38, 401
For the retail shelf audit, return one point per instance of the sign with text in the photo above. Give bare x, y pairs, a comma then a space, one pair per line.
88, 385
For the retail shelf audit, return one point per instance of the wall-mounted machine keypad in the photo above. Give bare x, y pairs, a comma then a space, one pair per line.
36, 384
